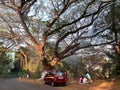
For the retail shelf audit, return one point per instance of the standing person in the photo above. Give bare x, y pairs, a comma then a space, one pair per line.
44, 73
81, 79
88, 76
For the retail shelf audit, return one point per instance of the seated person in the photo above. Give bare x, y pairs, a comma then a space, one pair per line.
81, 80
85, 80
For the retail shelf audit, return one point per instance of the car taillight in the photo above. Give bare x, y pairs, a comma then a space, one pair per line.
55, 78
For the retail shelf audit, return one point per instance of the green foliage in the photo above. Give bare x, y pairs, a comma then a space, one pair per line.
115, 61
116, 65
113, 16
4, 60
17, 67
114, 20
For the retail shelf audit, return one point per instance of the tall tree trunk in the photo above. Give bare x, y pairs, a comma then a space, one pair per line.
26, 63
39, 47
116, 45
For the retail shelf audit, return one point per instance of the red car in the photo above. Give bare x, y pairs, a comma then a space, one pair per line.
56, 78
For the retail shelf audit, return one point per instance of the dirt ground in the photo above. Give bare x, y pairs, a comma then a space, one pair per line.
96, 85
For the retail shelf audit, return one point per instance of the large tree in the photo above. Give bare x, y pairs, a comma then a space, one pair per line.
113, 20
68, 25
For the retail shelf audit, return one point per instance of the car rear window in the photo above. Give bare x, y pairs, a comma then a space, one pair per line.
60, 73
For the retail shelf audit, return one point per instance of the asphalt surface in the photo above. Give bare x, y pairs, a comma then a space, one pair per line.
14, 84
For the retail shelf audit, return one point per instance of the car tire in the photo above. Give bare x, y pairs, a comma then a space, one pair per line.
45, 82
64, 84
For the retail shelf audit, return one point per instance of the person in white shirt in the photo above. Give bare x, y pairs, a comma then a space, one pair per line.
85, 80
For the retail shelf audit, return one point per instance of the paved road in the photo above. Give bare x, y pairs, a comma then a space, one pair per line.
13, 84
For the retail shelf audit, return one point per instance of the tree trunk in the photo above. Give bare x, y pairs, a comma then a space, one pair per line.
26, 64
116, 46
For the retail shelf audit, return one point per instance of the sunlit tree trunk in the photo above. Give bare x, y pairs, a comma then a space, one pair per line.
26, 63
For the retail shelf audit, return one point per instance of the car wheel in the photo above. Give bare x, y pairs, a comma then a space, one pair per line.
64, 84
45, 82
53, 84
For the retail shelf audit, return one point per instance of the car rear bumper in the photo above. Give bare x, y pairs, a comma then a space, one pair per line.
60, 82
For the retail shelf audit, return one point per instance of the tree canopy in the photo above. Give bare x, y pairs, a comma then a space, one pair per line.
70, 25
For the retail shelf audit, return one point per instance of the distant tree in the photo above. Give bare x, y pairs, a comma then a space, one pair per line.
4, 59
